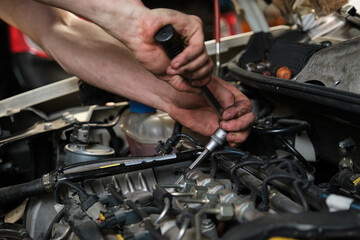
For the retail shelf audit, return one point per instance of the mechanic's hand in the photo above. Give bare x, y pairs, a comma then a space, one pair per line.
194, 112
193, 63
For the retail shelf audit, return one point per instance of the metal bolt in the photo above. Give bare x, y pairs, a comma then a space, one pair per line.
47, 126
68, 118
198, 192
207, 224
23, 233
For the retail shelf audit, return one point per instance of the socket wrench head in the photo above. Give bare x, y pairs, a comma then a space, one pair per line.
217, 140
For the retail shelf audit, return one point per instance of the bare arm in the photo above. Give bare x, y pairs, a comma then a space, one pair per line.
87, 51
135, 25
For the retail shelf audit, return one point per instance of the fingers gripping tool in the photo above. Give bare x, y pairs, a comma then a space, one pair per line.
171, 41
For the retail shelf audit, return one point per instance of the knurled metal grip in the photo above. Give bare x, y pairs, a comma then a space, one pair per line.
217, 140
170, 40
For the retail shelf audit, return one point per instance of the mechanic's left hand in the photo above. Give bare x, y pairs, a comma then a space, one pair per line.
193, 64
194, 112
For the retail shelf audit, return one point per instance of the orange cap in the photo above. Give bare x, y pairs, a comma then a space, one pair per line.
284, 73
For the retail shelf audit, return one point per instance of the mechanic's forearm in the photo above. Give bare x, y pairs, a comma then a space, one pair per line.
85, 50
34, 19
102, 13
98, 58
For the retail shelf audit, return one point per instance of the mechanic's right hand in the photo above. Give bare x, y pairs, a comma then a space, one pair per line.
194, 111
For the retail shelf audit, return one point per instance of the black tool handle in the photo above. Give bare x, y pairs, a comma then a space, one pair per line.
171, 41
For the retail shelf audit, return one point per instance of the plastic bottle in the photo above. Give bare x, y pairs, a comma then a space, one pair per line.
144, 127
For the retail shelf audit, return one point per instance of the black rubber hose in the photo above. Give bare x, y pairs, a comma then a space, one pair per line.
82, 171
56, 219
310, 225
177, 129
295, 127
114, 141
117, 195
21, 191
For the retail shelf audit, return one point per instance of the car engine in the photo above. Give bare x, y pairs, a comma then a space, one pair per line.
115, 171
79, 163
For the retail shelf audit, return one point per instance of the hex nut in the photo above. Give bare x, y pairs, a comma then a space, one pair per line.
199, 192
226, 212
188, 184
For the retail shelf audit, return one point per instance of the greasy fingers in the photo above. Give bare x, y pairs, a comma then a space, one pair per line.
238, 127
182, 85
190, 29
237, 109
234, 139
238, 124
198, 71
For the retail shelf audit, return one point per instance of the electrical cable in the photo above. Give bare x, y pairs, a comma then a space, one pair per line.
117, 195
82, 193
298, 155
264, 191
196, 142
301, 196
56, 219
307, 225
290, 164
241, 165
114, 141
222, 152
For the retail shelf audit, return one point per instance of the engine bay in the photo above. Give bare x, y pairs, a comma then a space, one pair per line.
100, 168
114, 179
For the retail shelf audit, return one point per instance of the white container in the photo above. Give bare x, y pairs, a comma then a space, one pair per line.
143, 131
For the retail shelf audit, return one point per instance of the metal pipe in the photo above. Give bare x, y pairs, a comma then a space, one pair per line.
165, 210
182, 194
217, 35
198, 219
183, 228
191, 200
178, 204
172, 185
202, 156
64, 235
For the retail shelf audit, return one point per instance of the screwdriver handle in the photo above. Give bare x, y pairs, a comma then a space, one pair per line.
173, 45
170, 41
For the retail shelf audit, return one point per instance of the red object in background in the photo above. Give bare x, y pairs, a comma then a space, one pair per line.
230, 19
20, 43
